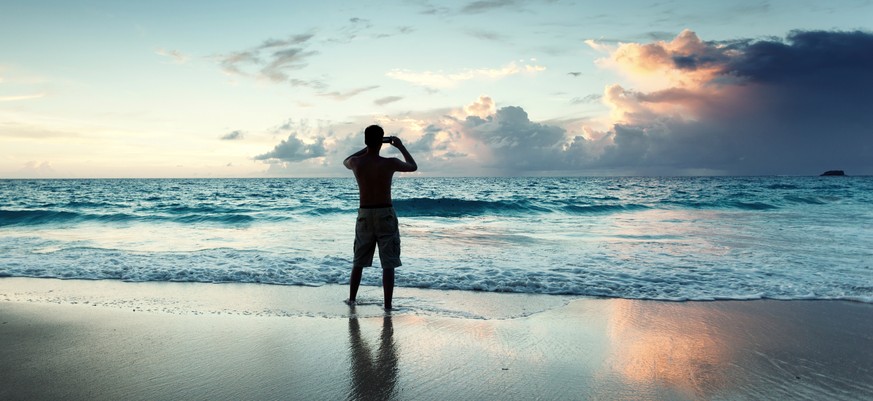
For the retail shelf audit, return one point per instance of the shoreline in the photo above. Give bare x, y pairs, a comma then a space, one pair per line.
77, 339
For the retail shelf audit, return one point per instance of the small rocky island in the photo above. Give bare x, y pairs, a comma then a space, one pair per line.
833, 173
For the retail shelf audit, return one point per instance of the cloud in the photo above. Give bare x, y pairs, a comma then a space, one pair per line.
515, 143
304, 128
401, 30
292, 40
431, 141
316, 84
658, 35
684, 61
386, 100
352, 30
481, 6
176, 55
232, 136
488, 35
792, 106
798, 105
429, 9
482, 107
294, 150
33, 169
592, 98
442, 80
285, 60
341, 96
271, 60
230, 63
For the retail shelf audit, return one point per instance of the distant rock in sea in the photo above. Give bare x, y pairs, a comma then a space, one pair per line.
833, 172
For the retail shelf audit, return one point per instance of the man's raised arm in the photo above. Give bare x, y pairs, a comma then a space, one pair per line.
348, 161
407, 166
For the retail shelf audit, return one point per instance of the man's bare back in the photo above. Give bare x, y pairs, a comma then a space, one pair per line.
374, 173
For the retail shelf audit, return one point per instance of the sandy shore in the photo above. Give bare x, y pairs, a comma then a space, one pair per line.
114, 340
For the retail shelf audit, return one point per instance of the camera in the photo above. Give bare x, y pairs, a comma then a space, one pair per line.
387, 139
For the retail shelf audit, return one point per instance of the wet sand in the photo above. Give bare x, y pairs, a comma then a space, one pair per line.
113, 340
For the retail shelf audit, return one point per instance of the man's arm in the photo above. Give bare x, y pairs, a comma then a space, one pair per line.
407, 166
348, 161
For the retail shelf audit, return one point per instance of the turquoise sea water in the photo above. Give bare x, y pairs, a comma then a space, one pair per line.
649, 238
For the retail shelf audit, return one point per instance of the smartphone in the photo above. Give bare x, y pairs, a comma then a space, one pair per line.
387, 139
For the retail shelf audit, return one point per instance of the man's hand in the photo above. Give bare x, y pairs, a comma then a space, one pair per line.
395, 141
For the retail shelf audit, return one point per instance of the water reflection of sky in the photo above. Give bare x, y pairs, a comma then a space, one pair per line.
625, 349
675, 349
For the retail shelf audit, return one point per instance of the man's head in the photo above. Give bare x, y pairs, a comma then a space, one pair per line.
373, 136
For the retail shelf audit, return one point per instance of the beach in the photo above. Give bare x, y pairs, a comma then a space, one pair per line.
76, 339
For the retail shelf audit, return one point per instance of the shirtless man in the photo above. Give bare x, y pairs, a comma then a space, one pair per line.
377, 222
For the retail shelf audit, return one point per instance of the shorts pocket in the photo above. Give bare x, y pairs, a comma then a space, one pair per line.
390, 222
395, 246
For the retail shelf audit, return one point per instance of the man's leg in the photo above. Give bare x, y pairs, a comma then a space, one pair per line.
357, 272
388, 286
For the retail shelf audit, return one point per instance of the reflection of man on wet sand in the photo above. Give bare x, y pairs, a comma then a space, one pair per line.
377, 222
372, 379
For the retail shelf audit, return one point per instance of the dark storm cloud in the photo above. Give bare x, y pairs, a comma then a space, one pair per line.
814, 96
826, 56
801, 105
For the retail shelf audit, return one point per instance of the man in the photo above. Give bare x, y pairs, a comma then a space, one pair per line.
377, 222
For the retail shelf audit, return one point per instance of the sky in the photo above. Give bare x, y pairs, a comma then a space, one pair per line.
472, 88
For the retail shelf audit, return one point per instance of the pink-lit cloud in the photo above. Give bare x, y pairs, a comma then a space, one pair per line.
743, 107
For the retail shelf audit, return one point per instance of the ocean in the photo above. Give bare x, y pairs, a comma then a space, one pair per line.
684, 238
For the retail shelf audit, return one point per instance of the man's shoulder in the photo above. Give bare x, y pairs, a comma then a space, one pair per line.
374, 161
